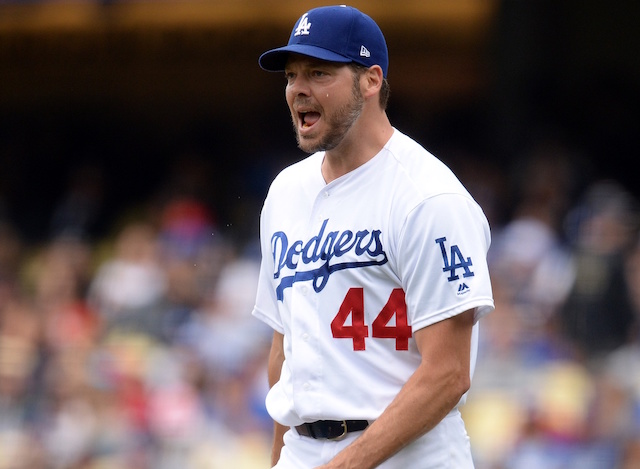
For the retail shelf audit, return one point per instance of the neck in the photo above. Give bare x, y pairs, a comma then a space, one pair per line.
363, 142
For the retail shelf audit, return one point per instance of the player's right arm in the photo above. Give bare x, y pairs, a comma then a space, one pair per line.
436, 386
276, 359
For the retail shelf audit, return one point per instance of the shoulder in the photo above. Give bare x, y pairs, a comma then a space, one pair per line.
300, 173
420, 172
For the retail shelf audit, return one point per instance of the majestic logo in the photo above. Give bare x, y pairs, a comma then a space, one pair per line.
303, 26
364, 245
455, 262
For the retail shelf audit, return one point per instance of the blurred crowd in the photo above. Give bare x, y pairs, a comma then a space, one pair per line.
557, 384
138, 350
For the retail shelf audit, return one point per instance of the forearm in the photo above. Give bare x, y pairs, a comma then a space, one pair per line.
278, 443
421, 404
276, 359
426, 398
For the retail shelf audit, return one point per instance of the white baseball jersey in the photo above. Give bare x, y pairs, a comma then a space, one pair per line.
352, 268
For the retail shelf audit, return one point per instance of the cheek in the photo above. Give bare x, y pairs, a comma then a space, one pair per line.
289, 100
288, 95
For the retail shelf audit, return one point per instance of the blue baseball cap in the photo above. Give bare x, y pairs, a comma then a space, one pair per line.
336, 34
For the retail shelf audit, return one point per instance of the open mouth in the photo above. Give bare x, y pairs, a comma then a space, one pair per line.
308, 119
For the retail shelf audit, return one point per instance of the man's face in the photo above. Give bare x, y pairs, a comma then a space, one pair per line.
324, 99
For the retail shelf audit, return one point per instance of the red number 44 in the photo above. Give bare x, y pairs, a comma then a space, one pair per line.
353, 305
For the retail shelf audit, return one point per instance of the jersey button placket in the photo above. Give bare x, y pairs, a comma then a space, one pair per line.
304, 353
320, 206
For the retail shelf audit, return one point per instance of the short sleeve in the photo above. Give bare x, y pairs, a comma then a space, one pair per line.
442, 260
266, 306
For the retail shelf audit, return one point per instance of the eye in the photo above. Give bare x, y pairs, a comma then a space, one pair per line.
289, 76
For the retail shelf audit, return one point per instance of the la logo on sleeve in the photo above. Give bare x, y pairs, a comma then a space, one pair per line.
454, 261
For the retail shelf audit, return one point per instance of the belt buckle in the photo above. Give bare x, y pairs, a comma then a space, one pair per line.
343, 424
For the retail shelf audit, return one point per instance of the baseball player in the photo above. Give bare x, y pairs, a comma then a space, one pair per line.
373, 273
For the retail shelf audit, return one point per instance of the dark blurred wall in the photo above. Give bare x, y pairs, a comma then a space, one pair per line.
139, 101
569, 69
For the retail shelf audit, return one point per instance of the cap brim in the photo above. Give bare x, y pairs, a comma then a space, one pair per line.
276, 59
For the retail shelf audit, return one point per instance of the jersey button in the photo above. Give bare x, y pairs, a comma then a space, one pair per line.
303, 291
305, 337
306, 386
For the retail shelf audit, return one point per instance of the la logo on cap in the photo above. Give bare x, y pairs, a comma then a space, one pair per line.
303, 26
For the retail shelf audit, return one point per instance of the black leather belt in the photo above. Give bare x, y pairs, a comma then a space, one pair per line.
331, 429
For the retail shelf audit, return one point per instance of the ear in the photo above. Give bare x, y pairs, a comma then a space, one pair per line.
371, 81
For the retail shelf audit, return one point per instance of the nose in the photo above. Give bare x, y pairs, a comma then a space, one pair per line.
298, 86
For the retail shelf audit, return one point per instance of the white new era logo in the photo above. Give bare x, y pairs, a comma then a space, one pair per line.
364, 52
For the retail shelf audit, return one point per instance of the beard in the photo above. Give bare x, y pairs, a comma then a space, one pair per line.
339, 123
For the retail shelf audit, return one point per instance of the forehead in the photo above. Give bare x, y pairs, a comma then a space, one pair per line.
298, 60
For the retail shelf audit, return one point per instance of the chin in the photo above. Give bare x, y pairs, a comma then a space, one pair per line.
309, 145
309, 148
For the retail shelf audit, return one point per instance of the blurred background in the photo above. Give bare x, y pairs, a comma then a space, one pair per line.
138, 140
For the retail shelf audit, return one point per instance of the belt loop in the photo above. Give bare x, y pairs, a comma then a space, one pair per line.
309, 428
